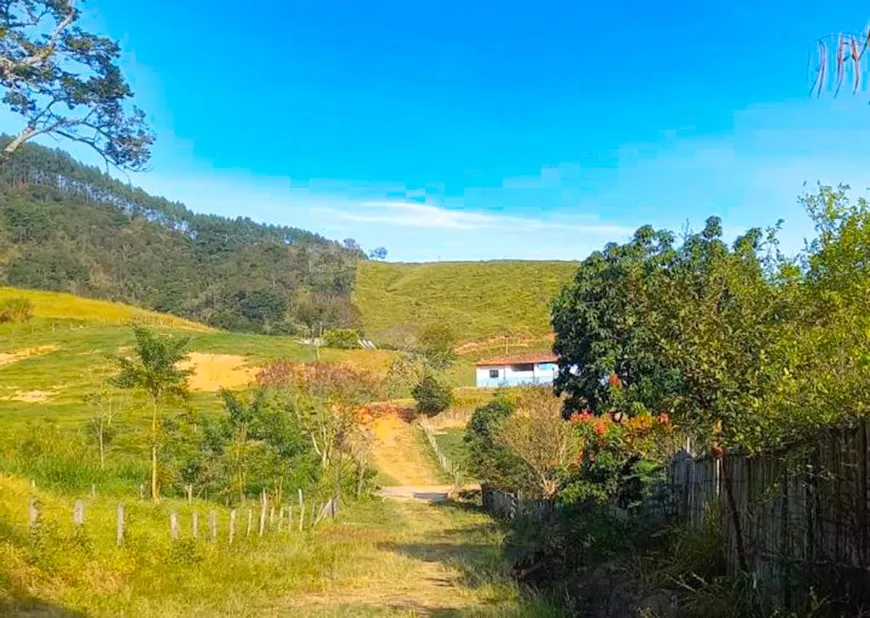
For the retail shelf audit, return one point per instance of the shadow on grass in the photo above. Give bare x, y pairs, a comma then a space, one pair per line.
465, 548
402, 608
27, 606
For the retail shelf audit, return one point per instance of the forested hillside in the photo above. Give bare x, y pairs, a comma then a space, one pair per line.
68, 227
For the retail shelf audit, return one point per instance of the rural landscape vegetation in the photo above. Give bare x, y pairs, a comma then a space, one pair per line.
206, 416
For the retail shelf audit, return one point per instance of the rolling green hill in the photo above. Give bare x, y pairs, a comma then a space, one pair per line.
67, 227
480, 300
49, 364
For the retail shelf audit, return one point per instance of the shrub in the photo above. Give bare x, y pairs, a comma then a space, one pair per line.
432, 396
341, 338
16, 310
488, 459
435, 344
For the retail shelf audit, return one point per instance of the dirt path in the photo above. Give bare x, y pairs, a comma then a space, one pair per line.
439, 560
434, 557
400, 453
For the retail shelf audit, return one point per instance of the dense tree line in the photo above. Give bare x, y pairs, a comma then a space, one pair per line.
68, 227
744, 346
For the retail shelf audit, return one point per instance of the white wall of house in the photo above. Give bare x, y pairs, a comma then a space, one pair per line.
514, 375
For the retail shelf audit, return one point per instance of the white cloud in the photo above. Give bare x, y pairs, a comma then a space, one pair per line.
412, 214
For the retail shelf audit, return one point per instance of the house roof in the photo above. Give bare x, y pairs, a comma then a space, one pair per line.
519, 359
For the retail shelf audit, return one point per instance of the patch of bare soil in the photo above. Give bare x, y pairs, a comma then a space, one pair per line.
211, 372
494, 342
29, 396
398, 454
449, 419
8, 358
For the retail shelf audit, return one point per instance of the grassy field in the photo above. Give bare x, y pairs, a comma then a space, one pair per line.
50, 363
479, 300
377, 559
452, 443
65, 306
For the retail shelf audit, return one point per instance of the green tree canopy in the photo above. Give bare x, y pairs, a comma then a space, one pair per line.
154, 370
66, 82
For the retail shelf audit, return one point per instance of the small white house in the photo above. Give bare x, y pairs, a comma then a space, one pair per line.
517, 370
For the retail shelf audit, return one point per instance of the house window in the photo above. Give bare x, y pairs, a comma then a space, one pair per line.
525, 368
493, 373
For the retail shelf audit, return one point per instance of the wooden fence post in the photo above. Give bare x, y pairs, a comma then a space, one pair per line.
79, 513
195, 523
281, 519
93, 490
301, 510
232, 525
212, 524
289, 518
189, 493
262, 518
119, 522
173, 525
142, 492
33, 513
272, 517
250, 521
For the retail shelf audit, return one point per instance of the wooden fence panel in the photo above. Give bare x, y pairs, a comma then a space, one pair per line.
807, 506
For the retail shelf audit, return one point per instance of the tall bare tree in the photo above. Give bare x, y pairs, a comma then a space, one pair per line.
66, 82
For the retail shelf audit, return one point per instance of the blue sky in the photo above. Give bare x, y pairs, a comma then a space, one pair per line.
477, 130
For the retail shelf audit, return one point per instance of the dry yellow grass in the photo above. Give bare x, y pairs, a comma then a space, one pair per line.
211, 372
398, 452
13, 357
374, 361
55, 305
28, 396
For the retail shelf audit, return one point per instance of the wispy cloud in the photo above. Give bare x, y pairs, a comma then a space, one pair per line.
420, 215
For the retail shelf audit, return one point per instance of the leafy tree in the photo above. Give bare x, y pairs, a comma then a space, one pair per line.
829, 351
319, 312
342, 338
539, 437
324, 401
378, 253
435, 344
702, 328
405, 372
488, 458
351, 244
432, 396
66, 82
599, 318
154, 371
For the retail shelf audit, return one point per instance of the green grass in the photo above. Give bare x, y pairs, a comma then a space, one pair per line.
80, 355
78, 339
478, 299
377, 559
452, 443
56, 305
